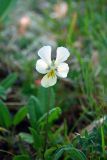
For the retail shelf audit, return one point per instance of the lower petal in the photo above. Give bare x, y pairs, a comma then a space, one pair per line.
62, 70
48, 81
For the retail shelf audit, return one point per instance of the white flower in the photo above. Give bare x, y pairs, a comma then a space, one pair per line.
52, 68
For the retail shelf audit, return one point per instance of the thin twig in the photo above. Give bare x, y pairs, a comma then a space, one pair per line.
15, 104
6, 152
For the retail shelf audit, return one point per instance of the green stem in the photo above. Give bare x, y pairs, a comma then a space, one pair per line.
47, 125
103, 142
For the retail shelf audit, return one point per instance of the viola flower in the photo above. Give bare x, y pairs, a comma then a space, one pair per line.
52, 68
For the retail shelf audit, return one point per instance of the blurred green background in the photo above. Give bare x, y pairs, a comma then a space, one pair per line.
80, 26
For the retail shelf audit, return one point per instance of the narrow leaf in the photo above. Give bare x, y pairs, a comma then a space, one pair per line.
9, 81
52, 116
20, 115
26, 137
5, 6
34, 110
37, 138
5, 118
21, 157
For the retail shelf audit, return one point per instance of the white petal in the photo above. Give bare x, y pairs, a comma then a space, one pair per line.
45, 54
62, 55
41, 66
62, 70
48, 81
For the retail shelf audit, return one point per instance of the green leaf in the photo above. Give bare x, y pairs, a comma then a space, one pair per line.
9, 81
20, 115
77, 154
21, 157
5, 118
2, 92
49, 152
4, 7
26, 137
73, 153
52, 116
37, 138
34, 110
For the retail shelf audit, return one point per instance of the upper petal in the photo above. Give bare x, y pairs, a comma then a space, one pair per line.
45, 54
62, 70
62, 55
41, 66
48, 81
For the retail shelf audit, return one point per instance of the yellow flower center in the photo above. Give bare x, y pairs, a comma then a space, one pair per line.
51, 73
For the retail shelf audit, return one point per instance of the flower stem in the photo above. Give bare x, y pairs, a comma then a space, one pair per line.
47, 124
